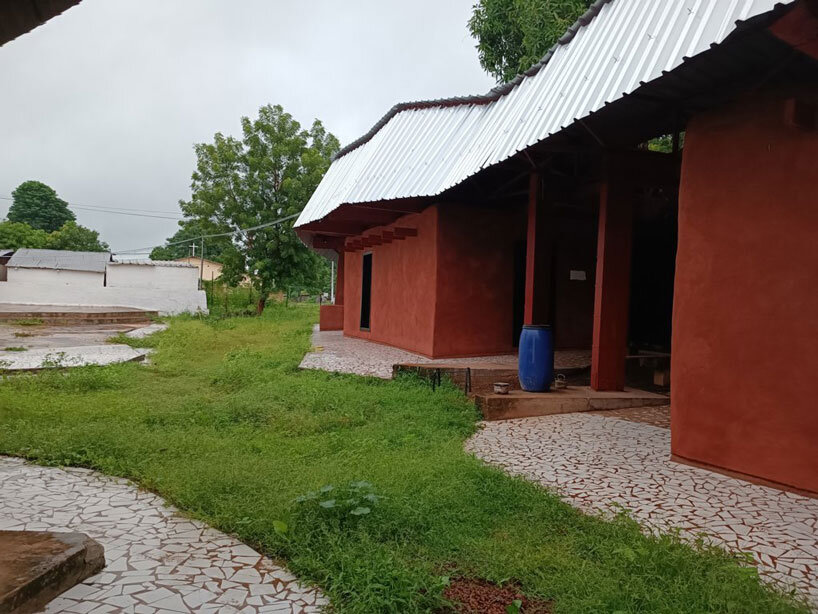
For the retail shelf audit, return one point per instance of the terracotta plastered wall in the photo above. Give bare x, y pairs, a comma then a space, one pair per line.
475, 278
403, 287
745, 335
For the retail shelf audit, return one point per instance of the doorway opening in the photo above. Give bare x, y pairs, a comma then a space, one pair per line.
653, 270
366, 291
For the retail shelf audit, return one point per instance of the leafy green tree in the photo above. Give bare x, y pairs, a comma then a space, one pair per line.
512, 35
15, 235
188, 233
74, 237
268, 174
36, 204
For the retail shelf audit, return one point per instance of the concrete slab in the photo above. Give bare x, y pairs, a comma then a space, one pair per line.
45, 358
520, 404
146, 331
32, 337
37, 566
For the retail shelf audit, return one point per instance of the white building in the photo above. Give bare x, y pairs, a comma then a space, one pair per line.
54, 277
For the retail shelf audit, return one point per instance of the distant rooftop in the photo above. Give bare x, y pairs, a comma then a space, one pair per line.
59, 260
162, 263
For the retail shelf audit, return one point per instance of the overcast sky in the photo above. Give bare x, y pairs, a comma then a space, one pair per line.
104, 102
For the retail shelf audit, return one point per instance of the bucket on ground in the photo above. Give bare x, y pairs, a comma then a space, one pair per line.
536, 366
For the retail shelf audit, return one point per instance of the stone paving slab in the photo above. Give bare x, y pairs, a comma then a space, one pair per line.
158, 562
45, 358
600, 462
340, 354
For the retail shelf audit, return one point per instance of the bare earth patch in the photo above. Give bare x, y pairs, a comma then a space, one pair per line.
472, 596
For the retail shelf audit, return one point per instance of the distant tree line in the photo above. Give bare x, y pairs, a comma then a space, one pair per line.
40, 219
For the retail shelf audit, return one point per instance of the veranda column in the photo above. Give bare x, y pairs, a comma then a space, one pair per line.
613, 272
538, 255
339, 278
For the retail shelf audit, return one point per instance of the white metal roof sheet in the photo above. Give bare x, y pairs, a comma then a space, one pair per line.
60, 260
427, 150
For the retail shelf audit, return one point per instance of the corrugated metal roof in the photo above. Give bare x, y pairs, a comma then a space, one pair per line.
160, 263
59, 260
422, 149
19, 16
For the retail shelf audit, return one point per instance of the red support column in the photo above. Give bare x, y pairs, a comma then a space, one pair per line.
538, 256
339, 279
612, 292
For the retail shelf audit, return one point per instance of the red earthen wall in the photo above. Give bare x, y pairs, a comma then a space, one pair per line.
331, 317
475, 280
745, 332
403, 287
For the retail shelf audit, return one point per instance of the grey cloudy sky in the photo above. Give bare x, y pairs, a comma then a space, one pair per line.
104, 102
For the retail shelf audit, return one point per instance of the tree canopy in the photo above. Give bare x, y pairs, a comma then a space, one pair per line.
14, 235
72, 236
36, 204
512, 35
268, 174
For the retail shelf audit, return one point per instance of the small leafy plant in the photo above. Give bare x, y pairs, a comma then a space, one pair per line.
342, 505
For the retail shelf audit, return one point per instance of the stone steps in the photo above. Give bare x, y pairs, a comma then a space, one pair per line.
76, 318
37, 566
520, 404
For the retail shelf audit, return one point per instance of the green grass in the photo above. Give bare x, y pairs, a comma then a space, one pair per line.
14, 349
224, 425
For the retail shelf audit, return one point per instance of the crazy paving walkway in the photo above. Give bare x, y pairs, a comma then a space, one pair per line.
334, 352
622, 458
157, 561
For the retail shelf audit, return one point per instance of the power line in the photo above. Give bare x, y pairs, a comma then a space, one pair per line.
210, 236
161, 217
112, 209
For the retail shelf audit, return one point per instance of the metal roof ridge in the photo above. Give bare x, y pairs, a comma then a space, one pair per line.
494, 94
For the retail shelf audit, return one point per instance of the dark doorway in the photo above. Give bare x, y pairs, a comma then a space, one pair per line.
518, 292
653, 268
366, 291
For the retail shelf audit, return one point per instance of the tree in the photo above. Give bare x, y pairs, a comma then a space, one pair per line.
36, 204
268, 174
188, 233
512, 35
78, 238
15, 235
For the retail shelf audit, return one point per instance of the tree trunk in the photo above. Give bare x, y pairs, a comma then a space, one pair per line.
262, 301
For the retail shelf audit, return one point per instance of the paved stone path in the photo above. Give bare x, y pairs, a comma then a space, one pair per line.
157, 561
601, 461
360, 357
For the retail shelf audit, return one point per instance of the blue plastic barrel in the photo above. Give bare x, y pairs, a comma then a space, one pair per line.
536, 368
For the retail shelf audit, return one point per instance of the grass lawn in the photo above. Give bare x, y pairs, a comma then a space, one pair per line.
225, 426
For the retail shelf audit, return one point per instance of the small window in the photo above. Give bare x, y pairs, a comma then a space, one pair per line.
366, 291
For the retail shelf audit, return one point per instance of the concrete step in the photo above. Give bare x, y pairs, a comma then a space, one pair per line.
478, 378
78, 318
520, 404
36, 567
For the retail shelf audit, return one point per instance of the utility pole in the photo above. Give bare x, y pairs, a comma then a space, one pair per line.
201, 266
